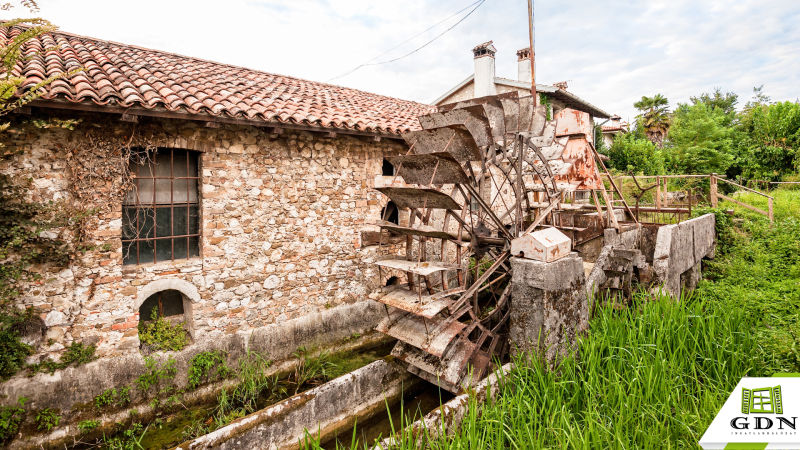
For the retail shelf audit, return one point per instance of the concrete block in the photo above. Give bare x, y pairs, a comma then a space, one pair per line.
546, 245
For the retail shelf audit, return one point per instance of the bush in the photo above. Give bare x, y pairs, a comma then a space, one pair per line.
159, 334
630, 154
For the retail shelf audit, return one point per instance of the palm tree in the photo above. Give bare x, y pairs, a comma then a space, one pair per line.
655, 117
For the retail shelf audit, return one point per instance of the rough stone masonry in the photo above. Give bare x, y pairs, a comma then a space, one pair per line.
281, 221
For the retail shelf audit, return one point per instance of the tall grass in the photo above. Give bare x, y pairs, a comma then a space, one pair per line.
649, 377
656, 374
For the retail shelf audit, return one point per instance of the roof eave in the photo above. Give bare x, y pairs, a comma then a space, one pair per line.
163, 113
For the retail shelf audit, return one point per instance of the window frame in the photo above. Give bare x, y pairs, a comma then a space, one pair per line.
138, 205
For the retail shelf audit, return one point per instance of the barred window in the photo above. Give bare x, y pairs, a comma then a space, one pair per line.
161, 212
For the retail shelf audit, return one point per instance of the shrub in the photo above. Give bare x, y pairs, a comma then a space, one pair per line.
630, 154
159, 334
47, 419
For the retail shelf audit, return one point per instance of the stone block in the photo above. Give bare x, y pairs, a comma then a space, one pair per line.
549, 306
546, 245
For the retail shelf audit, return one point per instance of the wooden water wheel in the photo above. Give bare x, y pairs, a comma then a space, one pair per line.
474, 179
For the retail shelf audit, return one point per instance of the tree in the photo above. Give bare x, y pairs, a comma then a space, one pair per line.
717, 100
699, 139
768, 144
654, 118
631, 154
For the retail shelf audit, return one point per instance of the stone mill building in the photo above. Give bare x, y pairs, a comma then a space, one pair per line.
229, 198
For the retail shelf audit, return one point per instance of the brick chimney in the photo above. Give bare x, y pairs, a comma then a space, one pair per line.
524, 64
484, 69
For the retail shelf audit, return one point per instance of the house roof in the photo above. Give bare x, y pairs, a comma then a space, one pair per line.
570, 99
121, 77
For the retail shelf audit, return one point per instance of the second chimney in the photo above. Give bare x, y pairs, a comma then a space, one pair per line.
524, 65
484, 69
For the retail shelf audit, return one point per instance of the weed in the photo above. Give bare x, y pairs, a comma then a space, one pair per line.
114, 397
76, 354
311, 370
47, 419
86, 426
159, 334
130, 439
105, 399
195, 429
10, 419
155, 374
207, 366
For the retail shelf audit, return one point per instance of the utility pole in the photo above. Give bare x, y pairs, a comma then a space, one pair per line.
533, 53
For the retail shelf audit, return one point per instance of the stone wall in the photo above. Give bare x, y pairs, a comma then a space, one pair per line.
281, 221
679, 251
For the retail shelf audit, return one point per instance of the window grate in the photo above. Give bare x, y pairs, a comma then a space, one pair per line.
161, 212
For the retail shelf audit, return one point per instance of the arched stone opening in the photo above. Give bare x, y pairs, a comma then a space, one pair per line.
171, 305
390, 213
172, 299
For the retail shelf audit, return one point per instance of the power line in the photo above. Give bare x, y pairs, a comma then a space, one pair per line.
476, 5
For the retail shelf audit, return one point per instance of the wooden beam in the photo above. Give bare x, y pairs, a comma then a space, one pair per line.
744, 205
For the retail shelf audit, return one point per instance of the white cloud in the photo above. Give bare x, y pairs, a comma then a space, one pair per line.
611, 52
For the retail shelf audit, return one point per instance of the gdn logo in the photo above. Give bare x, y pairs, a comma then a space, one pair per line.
762, 400
760, 413
766, 400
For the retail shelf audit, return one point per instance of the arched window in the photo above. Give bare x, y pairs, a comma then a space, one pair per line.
390, 213
388, 169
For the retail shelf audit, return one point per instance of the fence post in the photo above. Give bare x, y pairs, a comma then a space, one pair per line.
769, 202
658, 192
713, 190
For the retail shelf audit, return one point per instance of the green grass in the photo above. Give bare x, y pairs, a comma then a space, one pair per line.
655, 375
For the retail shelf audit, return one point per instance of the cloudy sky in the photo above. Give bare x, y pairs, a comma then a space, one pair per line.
610, 52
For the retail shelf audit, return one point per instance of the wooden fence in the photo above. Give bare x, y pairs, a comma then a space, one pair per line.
661, 203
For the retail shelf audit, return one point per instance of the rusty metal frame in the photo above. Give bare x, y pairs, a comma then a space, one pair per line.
138, 206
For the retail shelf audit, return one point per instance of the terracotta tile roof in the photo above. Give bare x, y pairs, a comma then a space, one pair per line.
128, 76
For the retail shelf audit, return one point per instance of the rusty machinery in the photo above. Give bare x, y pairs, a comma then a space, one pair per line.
480, 173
